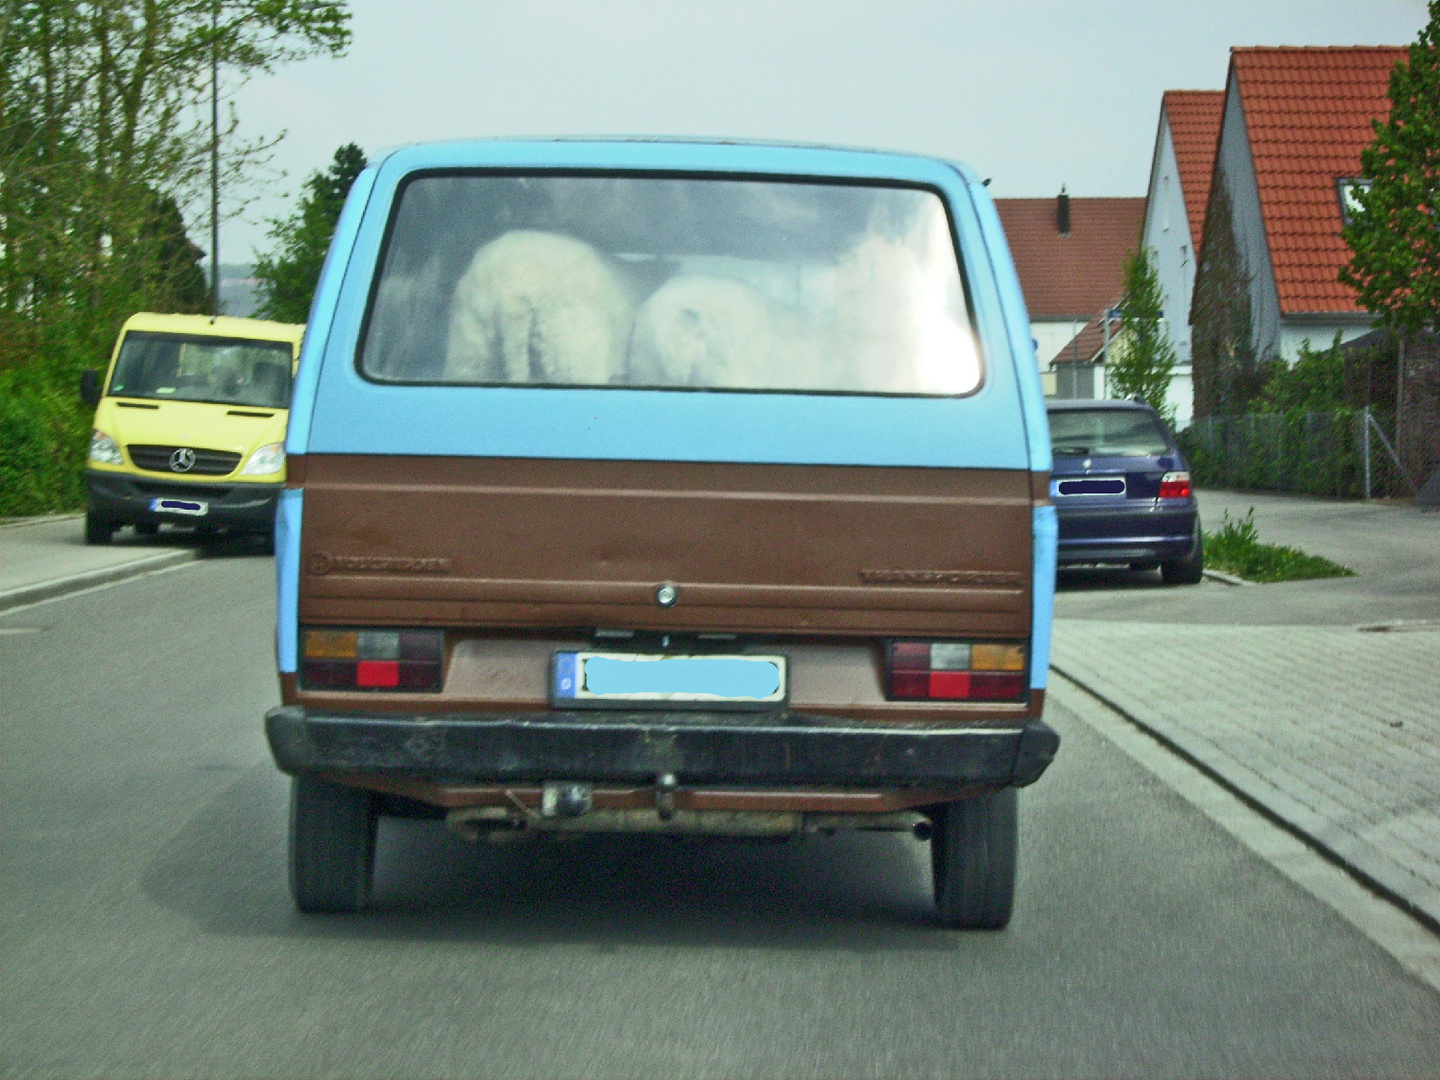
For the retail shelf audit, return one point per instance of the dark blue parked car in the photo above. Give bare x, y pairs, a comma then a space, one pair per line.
1122, 490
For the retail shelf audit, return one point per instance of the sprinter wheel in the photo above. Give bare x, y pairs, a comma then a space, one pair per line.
1189, 570
973, 855
332, 846
97, 529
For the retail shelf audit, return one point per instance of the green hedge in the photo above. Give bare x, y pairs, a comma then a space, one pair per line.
44, 435
1306, 452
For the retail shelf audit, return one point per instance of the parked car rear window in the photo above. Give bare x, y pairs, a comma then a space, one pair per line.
643, 281
226, 371
1113, 432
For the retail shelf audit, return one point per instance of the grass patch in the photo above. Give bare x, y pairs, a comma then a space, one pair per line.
1236, 549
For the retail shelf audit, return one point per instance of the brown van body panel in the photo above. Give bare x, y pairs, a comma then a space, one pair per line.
776, 549
519, 557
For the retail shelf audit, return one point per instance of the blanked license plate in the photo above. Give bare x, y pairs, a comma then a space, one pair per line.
606, 679
1089, 485
191, 507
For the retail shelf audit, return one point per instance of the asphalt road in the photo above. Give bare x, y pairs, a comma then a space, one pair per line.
147, 930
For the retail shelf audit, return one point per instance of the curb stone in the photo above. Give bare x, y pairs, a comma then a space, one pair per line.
1377, 873
49, 590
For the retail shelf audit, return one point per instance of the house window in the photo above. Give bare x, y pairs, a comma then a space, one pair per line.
1346, 189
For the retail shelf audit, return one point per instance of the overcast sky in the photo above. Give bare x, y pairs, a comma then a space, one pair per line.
1033, 93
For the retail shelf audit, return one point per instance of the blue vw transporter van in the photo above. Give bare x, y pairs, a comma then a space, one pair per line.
671, 488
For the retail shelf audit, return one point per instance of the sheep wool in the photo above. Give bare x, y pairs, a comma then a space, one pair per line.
538, 307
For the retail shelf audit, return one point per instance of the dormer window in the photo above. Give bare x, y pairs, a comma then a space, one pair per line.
1346, 189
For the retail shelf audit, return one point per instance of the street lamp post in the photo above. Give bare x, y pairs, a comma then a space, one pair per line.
215, 159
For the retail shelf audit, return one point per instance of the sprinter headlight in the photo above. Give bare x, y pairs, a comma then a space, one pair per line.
104, 450
268, 459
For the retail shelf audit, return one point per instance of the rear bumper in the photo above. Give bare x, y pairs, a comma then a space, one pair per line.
780, 748
1126, 534
126, 499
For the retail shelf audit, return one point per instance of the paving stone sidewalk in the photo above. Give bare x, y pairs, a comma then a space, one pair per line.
1334, 730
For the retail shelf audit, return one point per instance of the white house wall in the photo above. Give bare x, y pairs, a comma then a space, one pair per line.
1167, 234
1236, 168
1052, 335
1319, 334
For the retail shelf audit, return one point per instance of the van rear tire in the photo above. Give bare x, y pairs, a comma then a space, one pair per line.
972, 852
332, 846
98, 530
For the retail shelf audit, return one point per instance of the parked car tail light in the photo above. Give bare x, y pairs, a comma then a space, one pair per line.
955, 671
373, 660
1175, 485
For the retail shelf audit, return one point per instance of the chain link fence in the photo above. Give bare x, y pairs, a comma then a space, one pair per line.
1342, 454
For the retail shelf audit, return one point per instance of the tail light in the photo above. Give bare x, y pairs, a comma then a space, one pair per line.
1175, 485
373, 660
955, 671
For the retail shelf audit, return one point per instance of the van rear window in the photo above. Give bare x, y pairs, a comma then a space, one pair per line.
692, 283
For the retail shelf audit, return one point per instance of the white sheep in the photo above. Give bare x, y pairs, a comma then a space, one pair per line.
887, 316
704, 331
538, 307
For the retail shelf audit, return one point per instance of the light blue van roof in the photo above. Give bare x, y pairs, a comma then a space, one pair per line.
336, 410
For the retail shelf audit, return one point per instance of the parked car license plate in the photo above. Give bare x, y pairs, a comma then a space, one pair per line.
180, 506
604, 679
1090, 485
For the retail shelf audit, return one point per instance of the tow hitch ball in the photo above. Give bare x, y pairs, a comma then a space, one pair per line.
566, 800
665, 785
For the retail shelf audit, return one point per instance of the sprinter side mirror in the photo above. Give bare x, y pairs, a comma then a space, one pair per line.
90, 391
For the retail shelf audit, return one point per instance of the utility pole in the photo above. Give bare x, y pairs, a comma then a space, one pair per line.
215, 159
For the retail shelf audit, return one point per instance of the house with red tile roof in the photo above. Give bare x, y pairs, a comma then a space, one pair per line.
1180, 171
1293, 125
1070, 256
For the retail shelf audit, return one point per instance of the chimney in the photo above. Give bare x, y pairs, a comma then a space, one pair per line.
1062, 212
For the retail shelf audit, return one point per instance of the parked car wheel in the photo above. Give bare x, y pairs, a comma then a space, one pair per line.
98, 530
972, 852
1189, 570
332, 846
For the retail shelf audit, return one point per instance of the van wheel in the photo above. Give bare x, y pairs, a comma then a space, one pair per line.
1189, 570
98, 530
972, 852
332, 846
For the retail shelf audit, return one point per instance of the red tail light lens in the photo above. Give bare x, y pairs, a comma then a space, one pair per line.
1175, 485
373, 660
955, 671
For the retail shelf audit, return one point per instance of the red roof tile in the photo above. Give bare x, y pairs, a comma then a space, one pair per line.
1089, 343
1074, 275
1307, 114
1194, 119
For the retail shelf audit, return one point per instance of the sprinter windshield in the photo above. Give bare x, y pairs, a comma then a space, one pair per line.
697, 284
226, 371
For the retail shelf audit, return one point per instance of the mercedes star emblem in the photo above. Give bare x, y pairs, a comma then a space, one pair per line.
182, 460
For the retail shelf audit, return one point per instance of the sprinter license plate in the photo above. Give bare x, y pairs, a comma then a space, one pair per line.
600, 680
190, 507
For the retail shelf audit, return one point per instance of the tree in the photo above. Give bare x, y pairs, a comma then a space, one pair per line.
1395, 237
289, 274
104, 137
1395, 233
1143, 357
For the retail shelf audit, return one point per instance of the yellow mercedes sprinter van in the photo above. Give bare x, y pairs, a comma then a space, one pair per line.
190, 425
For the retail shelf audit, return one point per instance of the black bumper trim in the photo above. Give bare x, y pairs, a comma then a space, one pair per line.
770, 748
124, 498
